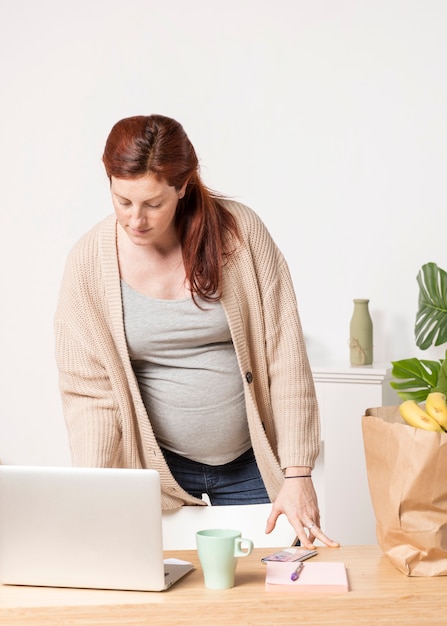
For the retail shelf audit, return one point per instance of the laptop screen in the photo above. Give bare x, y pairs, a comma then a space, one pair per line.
81, 527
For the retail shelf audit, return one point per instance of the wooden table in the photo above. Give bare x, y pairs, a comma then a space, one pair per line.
379, 594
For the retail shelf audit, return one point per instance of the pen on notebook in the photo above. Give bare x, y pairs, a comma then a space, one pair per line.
296, 572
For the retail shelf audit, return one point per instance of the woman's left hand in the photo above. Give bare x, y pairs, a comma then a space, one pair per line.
298, 501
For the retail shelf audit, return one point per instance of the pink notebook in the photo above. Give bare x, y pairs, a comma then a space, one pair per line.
314, 577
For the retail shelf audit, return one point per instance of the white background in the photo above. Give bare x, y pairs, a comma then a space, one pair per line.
328, 117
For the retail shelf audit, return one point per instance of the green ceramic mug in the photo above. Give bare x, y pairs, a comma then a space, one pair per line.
218, 551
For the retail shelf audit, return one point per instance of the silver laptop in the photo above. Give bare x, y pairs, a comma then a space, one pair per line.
83, 527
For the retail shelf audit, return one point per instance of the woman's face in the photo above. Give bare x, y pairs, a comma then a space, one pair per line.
145, 209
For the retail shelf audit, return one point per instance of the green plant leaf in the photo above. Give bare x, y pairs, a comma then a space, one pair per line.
431, 319
418, 376
442, 378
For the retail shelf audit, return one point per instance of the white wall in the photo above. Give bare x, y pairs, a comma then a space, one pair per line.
326, 116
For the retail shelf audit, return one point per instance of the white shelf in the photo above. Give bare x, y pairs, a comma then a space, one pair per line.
374, 374
344, 393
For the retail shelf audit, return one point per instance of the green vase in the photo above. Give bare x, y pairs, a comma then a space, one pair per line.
361, 334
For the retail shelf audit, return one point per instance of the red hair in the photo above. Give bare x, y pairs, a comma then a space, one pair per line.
156, 144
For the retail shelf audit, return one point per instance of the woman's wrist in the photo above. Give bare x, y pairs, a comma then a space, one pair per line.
300, 476
298, 472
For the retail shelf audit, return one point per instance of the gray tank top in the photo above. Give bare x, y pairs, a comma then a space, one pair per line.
187, 371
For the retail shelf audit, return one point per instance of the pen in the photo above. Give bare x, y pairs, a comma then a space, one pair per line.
296, 573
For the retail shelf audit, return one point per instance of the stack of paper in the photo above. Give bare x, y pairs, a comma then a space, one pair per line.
316, 577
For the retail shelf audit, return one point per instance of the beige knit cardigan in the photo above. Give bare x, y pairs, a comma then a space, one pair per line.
106, 419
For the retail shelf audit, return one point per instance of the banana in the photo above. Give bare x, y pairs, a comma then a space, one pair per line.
436, 407
414, 415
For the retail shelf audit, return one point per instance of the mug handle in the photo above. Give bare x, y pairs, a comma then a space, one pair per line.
242, 546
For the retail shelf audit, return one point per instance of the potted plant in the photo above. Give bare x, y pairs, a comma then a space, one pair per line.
416, 378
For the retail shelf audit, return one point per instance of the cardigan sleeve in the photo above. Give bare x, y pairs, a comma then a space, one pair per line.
292, 391
272, 343
91, 414
90, 406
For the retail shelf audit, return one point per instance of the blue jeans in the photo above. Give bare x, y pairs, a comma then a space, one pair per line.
237, 482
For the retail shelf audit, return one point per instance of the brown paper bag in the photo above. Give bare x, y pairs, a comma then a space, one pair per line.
407, 476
